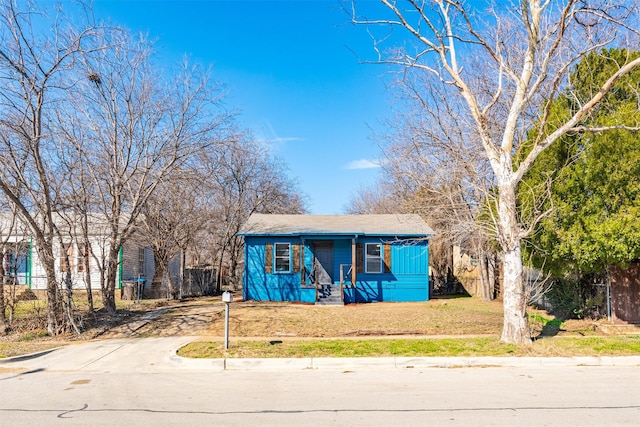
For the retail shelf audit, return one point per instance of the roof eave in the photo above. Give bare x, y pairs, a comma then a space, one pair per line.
342, 234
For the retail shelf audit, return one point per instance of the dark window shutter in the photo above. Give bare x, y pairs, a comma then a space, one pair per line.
303, 272
359, 258
296, 258
387, 258
268, 261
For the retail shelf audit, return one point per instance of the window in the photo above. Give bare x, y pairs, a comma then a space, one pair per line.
84, 252
66, 257
141, 261
283, 258
373, 259
15, 259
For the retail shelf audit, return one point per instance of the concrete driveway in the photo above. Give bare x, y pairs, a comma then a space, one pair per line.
114, 355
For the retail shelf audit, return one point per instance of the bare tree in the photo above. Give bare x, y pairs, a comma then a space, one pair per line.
379, 198
442, 176
35, 73
171, 220
243, 178
133, 127
79, 210
434, 172
498, 72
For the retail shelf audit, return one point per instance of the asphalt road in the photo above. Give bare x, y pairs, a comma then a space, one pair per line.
121, 383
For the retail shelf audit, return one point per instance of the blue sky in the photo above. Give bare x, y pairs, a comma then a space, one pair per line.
292, 72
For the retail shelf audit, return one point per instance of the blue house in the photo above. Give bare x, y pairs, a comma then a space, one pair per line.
336, 259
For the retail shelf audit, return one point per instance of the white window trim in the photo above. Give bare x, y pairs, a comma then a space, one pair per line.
141, 261
366, 258
275, 258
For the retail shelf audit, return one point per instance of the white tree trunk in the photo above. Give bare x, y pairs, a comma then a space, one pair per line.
515, 328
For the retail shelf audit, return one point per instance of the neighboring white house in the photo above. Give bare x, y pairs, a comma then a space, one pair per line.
21, 262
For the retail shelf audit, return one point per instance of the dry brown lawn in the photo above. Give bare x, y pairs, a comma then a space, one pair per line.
462, 316
438, 317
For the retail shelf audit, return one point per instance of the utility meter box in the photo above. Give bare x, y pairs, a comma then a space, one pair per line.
227, 296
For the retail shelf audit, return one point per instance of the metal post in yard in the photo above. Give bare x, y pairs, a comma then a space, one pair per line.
226, 326
227, 297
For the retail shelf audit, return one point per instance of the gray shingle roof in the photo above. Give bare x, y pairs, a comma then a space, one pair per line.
379, 225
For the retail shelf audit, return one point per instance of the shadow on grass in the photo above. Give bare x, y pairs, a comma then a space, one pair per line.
450, 296
550, 329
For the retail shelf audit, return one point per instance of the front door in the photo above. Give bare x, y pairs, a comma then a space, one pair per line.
323, 259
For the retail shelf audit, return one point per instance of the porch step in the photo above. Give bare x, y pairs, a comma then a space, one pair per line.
335, 300
329, 295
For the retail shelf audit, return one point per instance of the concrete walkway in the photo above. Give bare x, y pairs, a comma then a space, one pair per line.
159, 355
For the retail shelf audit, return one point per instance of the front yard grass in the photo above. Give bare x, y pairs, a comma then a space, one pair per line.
442, 347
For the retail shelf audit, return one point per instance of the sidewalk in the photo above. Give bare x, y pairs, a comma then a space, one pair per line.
159, 355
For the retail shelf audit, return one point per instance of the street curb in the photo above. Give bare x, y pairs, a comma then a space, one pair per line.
28, 356
351, 363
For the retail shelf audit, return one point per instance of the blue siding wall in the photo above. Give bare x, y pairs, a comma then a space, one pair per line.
260, 286
407, 281
410, 259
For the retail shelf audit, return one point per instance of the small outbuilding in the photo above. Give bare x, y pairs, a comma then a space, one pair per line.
336, 259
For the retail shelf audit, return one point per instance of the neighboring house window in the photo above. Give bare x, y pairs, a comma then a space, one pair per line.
373, 259
141, 261
84, 253
15, 259
283, 258
66, 257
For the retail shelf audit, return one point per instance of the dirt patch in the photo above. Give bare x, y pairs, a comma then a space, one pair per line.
175, 320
